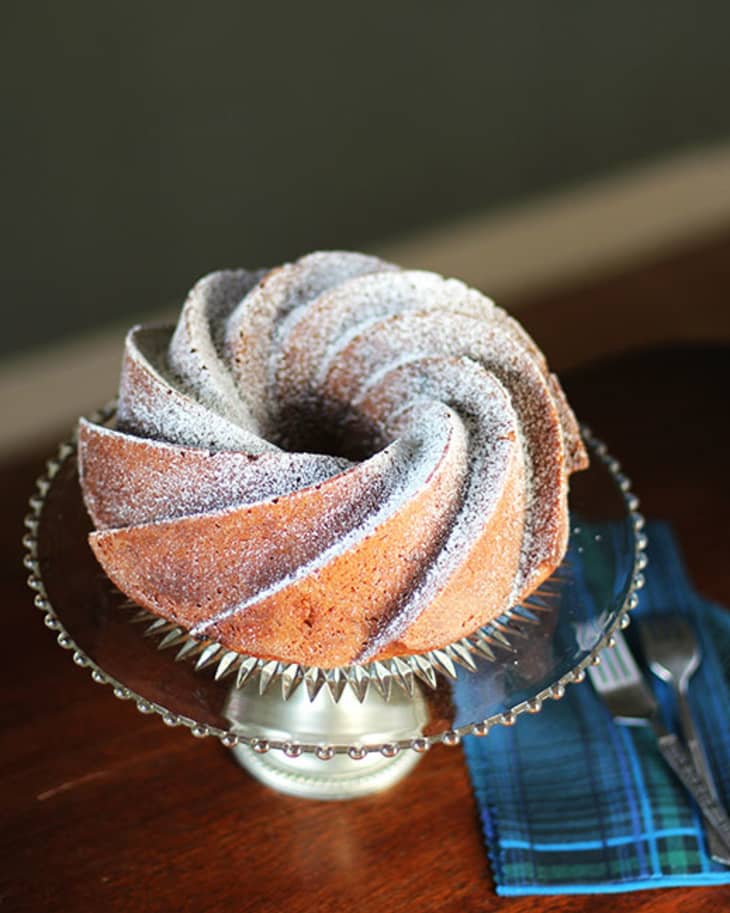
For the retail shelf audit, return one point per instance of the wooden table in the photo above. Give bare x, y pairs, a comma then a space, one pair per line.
106, 809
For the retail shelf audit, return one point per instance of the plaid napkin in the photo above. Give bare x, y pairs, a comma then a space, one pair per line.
572, 803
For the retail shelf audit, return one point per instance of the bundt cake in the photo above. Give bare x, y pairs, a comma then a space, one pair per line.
331, 462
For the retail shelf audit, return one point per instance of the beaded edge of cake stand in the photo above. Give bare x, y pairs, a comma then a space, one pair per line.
403, 671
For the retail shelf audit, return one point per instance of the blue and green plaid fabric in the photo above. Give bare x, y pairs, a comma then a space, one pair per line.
570, 802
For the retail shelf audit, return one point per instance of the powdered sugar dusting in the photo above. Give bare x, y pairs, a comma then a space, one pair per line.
354, 304
129, 480
254, 330
152, 403
194, 352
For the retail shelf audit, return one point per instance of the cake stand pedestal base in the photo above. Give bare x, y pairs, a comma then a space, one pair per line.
326, 773
307, 777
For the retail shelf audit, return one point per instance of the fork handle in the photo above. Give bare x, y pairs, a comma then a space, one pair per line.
678, 758
715, 844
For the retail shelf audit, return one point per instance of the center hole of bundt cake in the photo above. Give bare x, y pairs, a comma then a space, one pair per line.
338, 430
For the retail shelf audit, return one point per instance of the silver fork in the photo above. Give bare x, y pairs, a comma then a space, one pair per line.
673, 654
630, 700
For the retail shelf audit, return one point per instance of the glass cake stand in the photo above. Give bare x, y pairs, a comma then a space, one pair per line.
345, 732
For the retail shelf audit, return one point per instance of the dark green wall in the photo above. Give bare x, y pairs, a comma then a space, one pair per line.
148, 143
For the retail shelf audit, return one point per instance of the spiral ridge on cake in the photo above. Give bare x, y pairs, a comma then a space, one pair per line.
334, 461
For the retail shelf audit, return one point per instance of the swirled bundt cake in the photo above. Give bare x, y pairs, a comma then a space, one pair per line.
332, 462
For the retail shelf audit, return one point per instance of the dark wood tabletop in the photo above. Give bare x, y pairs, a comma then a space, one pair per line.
106, 809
